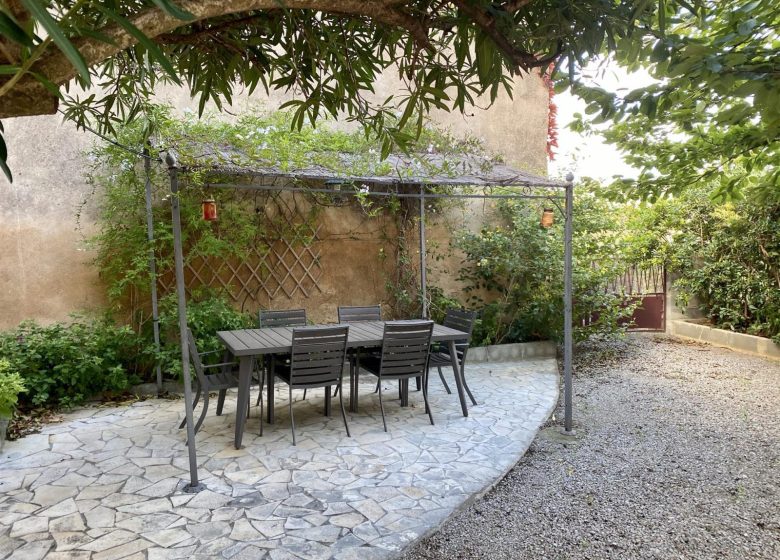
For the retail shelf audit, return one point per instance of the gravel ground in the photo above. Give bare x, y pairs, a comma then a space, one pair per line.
677, 455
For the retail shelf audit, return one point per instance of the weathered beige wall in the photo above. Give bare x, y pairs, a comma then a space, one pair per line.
45, 271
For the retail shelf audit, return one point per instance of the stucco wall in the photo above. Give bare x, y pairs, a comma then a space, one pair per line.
45, 271
44, 268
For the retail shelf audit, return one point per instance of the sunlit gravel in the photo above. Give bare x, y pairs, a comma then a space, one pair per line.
677, 455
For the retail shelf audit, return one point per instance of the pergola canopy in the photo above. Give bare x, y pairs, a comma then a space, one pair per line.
369, 170
445, 169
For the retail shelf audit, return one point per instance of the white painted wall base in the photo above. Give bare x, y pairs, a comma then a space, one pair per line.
739, 342
512, 352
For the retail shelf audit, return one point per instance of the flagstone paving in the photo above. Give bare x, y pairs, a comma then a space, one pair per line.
107, 483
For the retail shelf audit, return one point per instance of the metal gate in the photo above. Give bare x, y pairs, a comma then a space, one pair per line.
647, 288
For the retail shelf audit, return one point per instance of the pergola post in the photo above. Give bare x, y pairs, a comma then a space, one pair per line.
423, 278
152, 262
568, 342
178, 254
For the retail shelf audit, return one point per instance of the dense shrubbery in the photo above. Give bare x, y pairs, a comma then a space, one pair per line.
206, 314
514, 272
64, 364
726, 256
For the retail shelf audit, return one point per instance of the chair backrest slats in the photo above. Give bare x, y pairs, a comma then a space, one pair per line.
460, 320
282, 318
406, 346
354, 314
317, 356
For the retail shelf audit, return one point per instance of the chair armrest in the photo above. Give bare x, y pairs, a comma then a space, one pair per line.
220, 365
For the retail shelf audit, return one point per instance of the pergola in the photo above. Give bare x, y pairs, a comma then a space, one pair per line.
412, 176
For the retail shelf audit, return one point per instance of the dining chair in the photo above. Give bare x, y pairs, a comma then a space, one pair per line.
460, 320
357, 314
281, 318
406, 347
354, 314
227, 378
267, 318
316, 360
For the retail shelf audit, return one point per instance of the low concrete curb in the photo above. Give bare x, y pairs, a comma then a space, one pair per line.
150, 389
511, 352
747, 343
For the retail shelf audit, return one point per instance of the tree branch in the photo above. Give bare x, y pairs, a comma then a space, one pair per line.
513, 5
520, 59
154, 22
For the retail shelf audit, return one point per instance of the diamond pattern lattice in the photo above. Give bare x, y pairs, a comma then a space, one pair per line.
286, 262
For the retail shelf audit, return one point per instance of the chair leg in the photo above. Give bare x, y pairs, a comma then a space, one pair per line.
466, 385
376, 389
381, 405
337, 390
205, 409
221, 401
418, 383
444, 381
292, 418
425, 398
341, 402
194, 404
304, 394
260, 399
262, 378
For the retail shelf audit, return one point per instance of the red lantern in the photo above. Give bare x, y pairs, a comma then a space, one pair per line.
209, 209
548, 217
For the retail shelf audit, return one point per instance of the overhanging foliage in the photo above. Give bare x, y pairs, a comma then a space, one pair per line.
329, 52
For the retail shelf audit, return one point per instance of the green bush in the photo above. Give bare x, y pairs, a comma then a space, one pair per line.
64, 364
207, 313
11, 384
514, 272
727, 256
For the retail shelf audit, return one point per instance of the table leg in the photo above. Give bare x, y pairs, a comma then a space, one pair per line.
354, 378
458, 379
404, 392
244, 378
271, 396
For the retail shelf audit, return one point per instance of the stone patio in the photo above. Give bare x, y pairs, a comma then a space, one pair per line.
106, 482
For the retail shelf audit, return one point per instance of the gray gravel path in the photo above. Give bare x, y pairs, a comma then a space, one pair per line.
677, 456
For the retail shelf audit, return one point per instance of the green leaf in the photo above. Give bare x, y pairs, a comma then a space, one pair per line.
485, 57
40, 13
12, 30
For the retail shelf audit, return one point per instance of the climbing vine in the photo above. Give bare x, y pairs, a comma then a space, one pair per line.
254, 139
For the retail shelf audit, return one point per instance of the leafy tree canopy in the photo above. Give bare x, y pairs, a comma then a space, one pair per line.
713, 116
447, 52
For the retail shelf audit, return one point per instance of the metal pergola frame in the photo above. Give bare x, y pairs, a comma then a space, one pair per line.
527, 190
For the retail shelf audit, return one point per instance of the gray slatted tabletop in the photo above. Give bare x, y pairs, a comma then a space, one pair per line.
248, 343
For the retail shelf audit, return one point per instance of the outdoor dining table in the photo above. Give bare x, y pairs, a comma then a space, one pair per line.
246, 344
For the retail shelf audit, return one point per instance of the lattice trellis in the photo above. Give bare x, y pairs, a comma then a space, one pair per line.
286, 262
